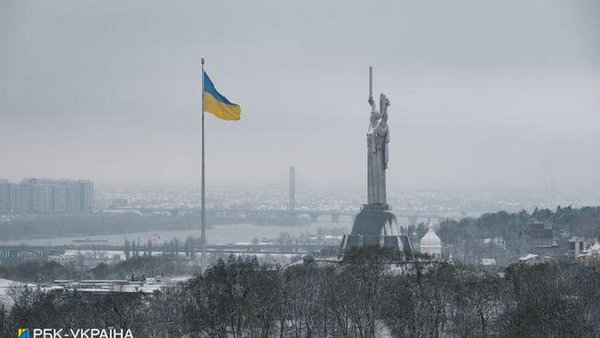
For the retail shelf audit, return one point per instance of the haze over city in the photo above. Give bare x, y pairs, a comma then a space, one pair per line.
110, 91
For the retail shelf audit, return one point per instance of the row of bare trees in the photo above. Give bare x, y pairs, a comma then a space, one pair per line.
171, 248
369, 294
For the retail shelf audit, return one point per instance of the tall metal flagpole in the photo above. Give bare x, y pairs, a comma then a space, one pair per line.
203, 211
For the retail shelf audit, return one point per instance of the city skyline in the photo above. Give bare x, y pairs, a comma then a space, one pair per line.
33, 196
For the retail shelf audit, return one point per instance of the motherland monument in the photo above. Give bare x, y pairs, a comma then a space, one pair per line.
376, 223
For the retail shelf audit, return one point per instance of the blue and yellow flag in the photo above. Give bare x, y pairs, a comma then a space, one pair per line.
218, 104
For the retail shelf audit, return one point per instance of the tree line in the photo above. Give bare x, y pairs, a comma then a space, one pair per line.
464, 238
47, 272
369, 293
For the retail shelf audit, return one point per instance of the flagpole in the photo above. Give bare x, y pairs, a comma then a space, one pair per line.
203, 207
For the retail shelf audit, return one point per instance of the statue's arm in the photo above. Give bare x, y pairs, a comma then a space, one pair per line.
373, 108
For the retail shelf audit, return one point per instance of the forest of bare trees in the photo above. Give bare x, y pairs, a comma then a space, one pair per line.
368, 294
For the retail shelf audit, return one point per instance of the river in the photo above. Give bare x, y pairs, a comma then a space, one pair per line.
218, 234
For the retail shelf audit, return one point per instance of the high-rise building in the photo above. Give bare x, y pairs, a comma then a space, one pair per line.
6, 197
84, 197
23, 197
42, 196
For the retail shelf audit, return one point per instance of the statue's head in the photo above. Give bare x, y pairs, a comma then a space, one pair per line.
383, 101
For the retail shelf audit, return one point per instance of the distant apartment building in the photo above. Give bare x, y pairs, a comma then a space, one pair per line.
6, 193
34, 196
119, 203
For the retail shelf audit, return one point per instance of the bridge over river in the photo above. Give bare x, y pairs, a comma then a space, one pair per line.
412, 218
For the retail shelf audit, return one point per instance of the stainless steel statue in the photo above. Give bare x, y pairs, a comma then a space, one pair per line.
376, 224
377, 146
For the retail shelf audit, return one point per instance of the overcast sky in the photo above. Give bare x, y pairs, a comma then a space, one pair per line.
483, 94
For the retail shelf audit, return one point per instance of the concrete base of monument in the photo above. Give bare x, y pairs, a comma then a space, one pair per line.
375, 225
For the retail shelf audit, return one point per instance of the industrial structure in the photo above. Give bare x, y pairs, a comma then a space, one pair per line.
292, 205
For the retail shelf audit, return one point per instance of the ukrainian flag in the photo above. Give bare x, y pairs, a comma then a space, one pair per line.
218, 104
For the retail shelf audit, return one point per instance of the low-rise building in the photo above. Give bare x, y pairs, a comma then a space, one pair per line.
430, 243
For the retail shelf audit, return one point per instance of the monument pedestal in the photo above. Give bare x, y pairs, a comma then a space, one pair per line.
374, 225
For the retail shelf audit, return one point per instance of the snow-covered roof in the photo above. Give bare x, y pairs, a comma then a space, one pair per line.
488, 261
528, 257
431, 240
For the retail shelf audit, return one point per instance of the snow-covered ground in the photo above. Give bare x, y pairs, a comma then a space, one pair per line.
95, 286
5, 288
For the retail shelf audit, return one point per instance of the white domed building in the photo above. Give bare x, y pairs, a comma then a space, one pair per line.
431, 244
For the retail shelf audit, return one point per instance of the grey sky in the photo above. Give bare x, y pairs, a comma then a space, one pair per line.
484, 93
